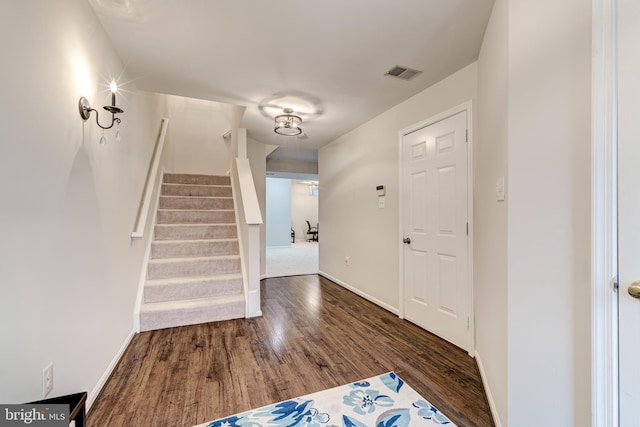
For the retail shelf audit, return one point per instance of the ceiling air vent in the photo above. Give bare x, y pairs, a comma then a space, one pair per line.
403, 73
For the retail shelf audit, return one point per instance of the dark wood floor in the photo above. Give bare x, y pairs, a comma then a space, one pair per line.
313, 335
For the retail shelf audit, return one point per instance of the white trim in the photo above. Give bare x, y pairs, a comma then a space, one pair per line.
253, 308
360, 293
468, 107
243, 270
400, 227
145, 260
487, 391
604, 357
249, 264
105, 376
470, 192
149, 186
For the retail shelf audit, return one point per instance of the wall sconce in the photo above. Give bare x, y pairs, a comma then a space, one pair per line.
85, 112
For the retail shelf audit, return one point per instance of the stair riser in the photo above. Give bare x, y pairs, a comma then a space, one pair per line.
194, 268
170, 319
195, 232
195, 203
195, 217
193, 249
182, 291
196, 179
195, 190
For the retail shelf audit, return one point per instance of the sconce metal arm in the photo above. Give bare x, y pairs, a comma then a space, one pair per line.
85, 112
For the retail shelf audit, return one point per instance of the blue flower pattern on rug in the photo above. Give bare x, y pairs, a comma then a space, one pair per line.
384, 401
430, 412
366, 401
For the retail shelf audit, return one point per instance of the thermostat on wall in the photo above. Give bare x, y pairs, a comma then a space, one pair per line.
380, 190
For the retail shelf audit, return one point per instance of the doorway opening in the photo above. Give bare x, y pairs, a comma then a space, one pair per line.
292, 227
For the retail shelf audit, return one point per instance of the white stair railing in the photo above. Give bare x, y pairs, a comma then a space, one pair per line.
151, 182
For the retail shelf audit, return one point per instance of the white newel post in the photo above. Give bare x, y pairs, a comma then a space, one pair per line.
252, 219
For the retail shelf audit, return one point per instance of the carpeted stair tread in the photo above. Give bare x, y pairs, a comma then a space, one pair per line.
189, 312
180, 178
194, 248
166, 242
190, 259
189, 280
193, 202
194, 231
191, 216
194, 190
177, 184
190, 303
195, 210
165, 268
225, 239
192, 287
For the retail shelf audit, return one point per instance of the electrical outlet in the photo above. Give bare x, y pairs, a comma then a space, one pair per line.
47, 380
346, 260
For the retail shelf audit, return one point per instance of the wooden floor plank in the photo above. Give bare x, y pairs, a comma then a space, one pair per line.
313, 335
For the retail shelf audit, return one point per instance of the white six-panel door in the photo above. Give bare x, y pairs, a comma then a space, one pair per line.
436, 288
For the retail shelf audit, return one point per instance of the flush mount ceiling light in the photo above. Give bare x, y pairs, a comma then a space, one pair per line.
288, 124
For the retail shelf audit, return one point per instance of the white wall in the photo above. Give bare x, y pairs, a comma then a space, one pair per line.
194, 137
548, 211
350, 168
68, 268
304, 207
257, 155
490, 215
292, 166
278, 207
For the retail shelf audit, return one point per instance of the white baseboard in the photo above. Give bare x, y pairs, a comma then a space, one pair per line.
487, 390
103, 379
364, 295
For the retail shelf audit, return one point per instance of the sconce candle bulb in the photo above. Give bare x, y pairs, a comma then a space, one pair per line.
113, 87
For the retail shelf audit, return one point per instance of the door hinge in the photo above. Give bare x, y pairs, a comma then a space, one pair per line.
467, 229
468, 323
466, 135
614, 283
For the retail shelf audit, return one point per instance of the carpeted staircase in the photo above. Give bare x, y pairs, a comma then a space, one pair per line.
194, 273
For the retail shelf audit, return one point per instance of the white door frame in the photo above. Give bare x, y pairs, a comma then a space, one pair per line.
604, 327
468, 107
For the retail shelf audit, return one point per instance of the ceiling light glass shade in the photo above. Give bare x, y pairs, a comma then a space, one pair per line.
288, 125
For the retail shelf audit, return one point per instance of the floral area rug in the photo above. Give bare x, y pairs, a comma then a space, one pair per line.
384, 401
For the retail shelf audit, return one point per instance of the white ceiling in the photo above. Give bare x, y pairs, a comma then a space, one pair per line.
324, 59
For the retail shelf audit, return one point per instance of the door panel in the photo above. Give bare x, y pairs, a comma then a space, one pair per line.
436, 283
448, 268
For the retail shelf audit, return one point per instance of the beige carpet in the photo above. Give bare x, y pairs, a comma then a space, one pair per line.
193, 274
300, 258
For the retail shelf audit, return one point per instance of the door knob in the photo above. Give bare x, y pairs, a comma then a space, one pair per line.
634, 289
407, 240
